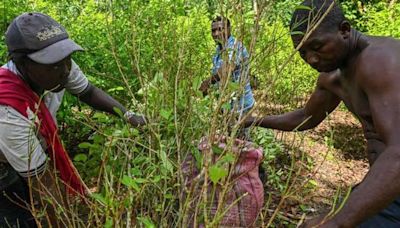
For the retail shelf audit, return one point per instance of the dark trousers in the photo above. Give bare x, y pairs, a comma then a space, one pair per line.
387, 218
13, 191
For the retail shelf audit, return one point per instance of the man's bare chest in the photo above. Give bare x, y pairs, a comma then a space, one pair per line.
354, 98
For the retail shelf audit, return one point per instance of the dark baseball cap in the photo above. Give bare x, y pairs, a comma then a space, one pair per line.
43, 39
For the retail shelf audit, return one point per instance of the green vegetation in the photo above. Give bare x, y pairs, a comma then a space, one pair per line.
152, 56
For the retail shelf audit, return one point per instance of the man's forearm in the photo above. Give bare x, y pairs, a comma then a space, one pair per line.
214, 78
205, 85
100, 100
379, 188
286, 122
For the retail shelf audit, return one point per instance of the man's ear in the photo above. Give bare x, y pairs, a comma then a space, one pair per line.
21, 62
344, 29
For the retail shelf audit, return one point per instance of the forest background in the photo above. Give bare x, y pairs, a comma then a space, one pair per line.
152, 56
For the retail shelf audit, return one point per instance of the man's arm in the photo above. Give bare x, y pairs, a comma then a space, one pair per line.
381, 185
205, 85
321, 103
100, 100
222, 72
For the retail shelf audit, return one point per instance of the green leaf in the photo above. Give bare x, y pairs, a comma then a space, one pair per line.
118, 88
165, 162
198, 157
216, 149
233, 86
85, 145
165, 114
156, 179
101, 117
118, 111
140, 180
168, 196
117, 133
229, 158
312, 183
134, 132
129, 182
293, 33
97, 139
303, 207
136, 172
140, 92
217, 173
226, 106
146, 222
99, 198
80, 158
108, 224
302, 7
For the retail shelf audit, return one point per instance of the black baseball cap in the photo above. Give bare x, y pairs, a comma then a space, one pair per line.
43, 39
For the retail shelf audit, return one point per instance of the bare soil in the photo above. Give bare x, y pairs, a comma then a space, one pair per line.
338, 150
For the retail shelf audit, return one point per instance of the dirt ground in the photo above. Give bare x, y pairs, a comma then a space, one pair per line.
338, 152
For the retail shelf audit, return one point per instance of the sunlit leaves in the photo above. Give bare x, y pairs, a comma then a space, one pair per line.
217, 173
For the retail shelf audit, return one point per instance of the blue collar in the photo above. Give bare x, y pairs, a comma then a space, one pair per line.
229, 44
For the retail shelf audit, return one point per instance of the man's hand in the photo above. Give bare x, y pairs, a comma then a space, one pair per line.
204, 86
135, 120
249, 121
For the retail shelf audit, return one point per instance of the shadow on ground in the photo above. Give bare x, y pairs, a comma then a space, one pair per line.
348, 139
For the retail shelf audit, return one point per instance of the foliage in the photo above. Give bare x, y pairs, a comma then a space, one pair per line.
152, 56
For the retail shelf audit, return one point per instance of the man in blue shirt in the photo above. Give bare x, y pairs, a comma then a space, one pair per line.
230, 59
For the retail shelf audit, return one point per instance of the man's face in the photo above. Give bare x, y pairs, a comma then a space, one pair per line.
220, 32
324, 50
52, 77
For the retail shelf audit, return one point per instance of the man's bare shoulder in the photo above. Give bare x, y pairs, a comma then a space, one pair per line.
376, 63
376, 45
380, 49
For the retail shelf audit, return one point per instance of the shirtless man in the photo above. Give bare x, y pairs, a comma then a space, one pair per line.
363, 72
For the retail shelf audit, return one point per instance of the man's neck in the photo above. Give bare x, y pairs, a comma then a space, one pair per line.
224, 43
357, 43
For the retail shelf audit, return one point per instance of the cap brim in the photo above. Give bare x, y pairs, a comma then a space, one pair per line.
55, 52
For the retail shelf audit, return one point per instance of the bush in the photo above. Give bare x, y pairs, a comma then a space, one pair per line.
152, 56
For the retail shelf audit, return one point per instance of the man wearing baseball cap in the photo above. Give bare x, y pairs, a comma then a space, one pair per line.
32, 86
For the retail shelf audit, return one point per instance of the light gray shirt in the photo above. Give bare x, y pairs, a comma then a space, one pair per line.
20, 143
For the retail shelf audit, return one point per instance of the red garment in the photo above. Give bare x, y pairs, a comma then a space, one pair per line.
244, 199
15, 93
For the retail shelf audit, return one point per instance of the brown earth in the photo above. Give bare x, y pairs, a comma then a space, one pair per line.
337, 148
